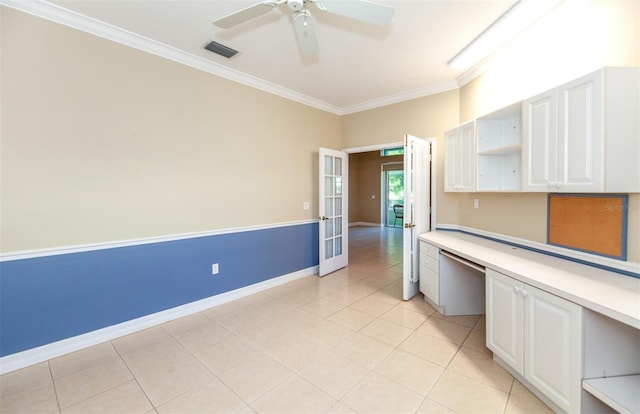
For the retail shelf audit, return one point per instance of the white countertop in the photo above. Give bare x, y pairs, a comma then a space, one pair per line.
612, 294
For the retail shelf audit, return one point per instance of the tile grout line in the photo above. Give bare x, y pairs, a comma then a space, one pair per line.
134, 377
53, 383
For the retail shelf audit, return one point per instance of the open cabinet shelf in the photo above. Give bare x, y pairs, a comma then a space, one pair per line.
511, 149
499, 145
611, 377
619, 393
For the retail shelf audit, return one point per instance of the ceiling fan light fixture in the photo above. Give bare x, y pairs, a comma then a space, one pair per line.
362, 10
221, 49
296, 5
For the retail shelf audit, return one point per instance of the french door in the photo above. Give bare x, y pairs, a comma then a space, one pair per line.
333, 209
417, 208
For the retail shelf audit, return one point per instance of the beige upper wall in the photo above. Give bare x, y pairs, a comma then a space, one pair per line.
102, 142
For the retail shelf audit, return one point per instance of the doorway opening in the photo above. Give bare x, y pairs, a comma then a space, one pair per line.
393, 194
418, 186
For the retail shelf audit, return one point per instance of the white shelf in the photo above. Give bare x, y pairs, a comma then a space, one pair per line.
502, 150
619, 393
499, 145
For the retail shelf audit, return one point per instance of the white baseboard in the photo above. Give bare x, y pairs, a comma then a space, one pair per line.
43, 353
365, 224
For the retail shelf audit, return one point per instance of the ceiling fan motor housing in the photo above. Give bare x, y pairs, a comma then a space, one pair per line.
295, 4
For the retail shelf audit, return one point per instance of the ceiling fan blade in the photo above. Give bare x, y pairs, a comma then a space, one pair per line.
306, 33
246, 14
358, 9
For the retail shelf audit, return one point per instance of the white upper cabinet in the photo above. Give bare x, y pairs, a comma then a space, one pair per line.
459, 165
583, 136
540, 141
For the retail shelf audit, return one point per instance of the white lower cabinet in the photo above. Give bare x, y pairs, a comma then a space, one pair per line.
538, 335
429, 272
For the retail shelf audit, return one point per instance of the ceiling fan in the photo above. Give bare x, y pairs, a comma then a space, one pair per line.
356, 9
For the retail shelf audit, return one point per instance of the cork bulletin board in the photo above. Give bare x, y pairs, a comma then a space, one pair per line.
594, 223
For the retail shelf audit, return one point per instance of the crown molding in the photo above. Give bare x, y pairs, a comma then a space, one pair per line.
401, 97
69, 18
96, 27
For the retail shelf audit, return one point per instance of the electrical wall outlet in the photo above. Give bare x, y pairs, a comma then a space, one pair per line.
215, 269
305, 205
476, 203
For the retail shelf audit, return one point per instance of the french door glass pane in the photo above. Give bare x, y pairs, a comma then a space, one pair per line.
328, 207
328, 228
328, 186
328, 165
338, 186
338, 226
338, 206
338, 166
328, 249
338, 246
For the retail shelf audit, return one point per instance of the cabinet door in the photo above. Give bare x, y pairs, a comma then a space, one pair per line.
429, 285
505, 331
459, 162
429, 271
553, 347
580, 137
467, 154
450, 160
540, 143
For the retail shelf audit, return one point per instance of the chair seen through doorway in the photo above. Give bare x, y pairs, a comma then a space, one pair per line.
398, 212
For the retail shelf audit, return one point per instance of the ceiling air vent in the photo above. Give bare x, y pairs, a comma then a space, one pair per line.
222, 50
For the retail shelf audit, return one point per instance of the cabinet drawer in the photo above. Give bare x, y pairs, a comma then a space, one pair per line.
430, 263
429, 285
429, 250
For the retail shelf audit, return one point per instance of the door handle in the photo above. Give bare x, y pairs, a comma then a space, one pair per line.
409, 225
323, 218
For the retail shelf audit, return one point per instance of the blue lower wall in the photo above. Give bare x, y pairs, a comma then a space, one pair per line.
47, 299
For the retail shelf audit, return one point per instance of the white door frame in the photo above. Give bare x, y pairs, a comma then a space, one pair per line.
434, 169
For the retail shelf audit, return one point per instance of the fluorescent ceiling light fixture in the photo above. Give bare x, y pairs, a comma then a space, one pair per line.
513, 22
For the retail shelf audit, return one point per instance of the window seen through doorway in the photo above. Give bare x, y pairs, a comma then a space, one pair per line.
394, 196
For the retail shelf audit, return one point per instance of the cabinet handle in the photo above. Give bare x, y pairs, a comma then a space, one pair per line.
553, 186
522, 292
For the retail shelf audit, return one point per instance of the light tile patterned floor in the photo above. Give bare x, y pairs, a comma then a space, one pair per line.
344, 343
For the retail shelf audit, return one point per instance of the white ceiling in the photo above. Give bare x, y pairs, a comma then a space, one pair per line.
359, 65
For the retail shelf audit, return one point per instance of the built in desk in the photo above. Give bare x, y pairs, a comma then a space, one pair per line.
578, 322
